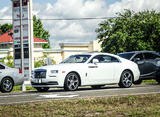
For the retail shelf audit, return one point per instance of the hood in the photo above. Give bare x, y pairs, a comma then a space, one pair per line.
60, 66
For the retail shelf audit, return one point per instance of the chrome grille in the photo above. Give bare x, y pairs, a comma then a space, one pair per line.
40, 73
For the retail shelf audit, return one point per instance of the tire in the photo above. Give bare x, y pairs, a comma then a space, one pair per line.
137, 82
97, 86
42, 89
71, 82
158, 80
126, 79
6, 85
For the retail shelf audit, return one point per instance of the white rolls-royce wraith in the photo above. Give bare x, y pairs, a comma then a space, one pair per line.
90, 69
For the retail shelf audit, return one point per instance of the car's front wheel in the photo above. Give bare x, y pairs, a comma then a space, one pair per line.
126, 79
42, 89
6, 85
71, 82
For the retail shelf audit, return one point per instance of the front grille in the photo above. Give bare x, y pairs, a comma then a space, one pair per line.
40, 73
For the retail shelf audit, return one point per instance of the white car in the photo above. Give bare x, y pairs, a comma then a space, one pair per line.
9, 77
91, 69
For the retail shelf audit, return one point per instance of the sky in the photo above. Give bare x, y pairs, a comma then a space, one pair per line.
76, 31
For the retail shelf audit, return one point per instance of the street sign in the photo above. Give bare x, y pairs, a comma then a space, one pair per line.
23, 31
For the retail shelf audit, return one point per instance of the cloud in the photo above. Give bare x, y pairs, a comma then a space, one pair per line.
83, 30
5, 14
79, 30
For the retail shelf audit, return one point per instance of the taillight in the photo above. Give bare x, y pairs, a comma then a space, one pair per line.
20, 71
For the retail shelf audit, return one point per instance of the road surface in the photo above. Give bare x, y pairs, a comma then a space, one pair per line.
52, 94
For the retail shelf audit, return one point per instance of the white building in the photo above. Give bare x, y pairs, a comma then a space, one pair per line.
66, 49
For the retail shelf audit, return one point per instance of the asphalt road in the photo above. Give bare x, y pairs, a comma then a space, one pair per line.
84, 92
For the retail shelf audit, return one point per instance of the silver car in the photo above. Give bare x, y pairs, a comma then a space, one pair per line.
9, 77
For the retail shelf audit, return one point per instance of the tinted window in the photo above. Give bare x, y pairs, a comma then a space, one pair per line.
2, 67
150, 56
138, 57
77, 59
105, 59
126, 55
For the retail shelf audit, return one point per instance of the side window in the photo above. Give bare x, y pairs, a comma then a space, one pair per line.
138, 57
105, 59
2, 67
148, 56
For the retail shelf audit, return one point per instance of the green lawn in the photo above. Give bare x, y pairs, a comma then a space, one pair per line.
129, 106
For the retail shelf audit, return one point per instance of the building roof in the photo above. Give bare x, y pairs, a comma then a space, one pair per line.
8, 38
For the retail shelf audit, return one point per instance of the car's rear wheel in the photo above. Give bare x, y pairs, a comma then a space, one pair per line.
97, 86
71, 82
6, 85
42, 89
158, 80
137, 82
126, 79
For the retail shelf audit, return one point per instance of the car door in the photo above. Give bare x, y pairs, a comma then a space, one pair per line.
150, 64
103, 71
139, 59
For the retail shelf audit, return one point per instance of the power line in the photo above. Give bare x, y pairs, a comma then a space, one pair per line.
87, 18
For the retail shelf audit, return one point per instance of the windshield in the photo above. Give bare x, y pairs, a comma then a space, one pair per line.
77, 59
126, 55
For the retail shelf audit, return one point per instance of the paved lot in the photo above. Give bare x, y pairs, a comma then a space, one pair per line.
107, 91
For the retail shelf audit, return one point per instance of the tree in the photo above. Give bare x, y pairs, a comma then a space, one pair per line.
130, 31
40, 32
8, 60
5, 28
42, 60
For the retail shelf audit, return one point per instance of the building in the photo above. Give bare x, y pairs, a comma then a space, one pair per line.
66, 49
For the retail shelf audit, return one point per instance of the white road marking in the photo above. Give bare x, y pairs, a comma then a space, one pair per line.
58, 96
17, 95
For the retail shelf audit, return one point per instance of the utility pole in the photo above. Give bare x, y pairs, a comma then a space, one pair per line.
23, 38
21, 41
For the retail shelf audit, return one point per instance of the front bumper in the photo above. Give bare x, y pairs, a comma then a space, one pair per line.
49, 81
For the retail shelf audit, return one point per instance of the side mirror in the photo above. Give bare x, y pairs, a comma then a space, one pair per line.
95, 61
136, 59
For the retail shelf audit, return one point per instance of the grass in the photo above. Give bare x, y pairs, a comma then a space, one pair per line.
129, 106
18, 88
149, 81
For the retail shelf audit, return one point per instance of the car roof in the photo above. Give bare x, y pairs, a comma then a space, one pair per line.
98, 53
136, 52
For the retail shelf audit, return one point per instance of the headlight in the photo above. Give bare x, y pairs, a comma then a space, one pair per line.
54, 71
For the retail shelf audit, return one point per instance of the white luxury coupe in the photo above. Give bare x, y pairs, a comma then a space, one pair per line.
90, 69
